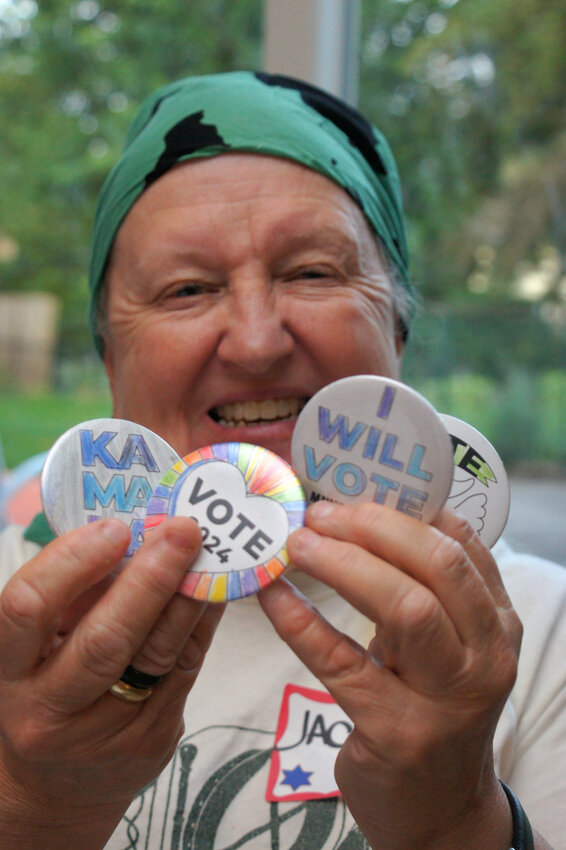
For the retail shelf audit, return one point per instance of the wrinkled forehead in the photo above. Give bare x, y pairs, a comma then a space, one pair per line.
261, 205
203, 117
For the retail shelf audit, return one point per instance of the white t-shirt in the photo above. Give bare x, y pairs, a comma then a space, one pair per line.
212, 793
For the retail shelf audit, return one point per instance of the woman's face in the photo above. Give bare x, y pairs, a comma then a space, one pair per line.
239, 286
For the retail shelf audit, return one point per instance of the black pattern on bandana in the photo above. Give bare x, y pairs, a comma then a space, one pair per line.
186, 137
358, 130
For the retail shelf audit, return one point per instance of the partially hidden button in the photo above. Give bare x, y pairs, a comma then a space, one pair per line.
480, 487
103, 468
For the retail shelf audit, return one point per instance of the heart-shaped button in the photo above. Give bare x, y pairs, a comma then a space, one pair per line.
103, 468
246, 500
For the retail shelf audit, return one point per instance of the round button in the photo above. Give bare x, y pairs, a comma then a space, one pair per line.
246, 500
370, 438
103, 468
480, 487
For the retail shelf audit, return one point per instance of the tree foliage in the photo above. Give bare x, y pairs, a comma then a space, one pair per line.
71, 77
472, 94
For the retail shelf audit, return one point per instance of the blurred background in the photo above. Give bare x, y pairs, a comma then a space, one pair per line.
472, 98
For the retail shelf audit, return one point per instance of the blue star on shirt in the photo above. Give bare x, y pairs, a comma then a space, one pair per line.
297, 777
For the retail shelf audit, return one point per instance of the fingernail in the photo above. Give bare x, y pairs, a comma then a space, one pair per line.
180, 540
115, 530
280, 593
321, 509
303, 541
274, 591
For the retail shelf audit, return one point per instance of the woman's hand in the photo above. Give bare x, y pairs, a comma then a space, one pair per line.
72, 754
426, 694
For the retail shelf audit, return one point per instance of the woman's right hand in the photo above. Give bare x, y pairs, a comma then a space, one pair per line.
73, 755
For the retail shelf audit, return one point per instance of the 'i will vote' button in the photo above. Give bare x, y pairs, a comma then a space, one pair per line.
369, 438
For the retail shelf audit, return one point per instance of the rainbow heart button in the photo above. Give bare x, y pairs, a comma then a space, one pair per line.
246, 500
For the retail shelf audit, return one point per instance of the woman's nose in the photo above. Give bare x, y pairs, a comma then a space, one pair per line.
257, 334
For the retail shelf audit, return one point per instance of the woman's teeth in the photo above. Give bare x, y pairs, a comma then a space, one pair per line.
244, 412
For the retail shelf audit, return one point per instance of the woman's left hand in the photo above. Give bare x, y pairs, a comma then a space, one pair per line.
426, 694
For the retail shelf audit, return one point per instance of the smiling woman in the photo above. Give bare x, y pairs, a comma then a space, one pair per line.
262, 316
233, 286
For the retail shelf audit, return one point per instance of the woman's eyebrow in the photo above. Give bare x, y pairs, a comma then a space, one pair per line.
330, 238
173, 255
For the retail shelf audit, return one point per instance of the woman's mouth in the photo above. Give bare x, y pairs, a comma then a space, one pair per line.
241, 413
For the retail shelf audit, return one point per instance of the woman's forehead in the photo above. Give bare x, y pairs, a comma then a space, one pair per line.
292, 204
236, 172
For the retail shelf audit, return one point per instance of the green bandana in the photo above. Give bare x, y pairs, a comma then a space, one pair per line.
265, 114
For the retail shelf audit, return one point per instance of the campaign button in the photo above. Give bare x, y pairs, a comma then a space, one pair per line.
480, 487
103, 468
246, 500
370, 438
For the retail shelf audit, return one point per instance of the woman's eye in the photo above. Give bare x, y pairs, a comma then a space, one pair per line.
188, 290
312, 274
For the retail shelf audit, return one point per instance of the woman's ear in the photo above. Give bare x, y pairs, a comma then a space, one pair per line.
401, 334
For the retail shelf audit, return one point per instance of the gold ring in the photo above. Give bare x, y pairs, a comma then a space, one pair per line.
134, 686
130, 694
